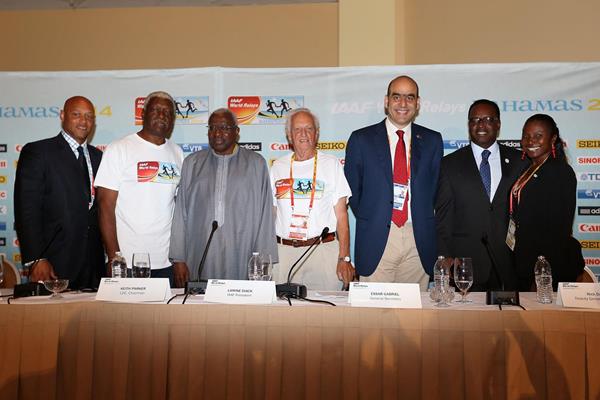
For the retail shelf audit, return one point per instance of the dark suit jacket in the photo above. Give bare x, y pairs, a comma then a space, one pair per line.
50, 200
464, 214
544, 224
368, 169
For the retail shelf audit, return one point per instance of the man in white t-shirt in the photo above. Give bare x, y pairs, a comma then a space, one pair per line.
137, 182
310, 193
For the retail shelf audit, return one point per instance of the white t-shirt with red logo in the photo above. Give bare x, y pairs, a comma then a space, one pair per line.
146, 177
330, 186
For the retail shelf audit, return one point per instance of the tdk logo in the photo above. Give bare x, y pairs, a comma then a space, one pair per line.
588, 193
254, 146
515, 144
455, 144
29, 112
537, 105
588, 176
193, 147
588, 211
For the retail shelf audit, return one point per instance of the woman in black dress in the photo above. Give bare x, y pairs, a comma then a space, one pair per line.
542, 206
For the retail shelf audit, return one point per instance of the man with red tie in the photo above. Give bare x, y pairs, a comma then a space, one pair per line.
392, 168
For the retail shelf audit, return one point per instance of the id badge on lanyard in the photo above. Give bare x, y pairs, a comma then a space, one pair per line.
299, 222
511, 239
400, 194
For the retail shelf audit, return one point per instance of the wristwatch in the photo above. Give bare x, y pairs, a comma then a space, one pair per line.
346, 259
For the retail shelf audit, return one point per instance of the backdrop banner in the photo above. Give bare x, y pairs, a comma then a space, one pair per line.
343, 98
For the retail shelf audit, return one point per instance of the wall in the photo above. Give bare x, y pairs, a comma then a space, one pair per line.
251, 36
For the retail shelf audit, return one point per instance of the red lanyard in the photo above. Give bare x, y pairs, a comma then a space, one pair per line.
314, 183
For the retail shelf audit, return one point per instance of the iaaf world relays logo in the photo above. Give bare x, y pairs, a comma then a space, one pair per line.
263, 110
189, 110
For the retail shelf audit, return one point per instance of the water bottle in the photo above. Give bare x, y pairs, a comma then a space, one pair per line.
441, 283
118, 266
254, 267
543, 280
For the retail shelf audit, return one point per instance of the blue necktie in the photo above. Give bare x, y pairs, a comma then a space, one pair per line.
484, 171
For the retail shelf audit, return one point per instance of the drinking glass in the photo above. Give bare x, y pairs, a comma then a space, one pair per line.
140, 265
1, 269
56, 286
463, 276
261, 269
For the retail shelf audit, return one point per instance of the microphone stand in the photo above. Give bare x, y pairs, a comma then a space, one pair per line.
499, 297
290, 289
199, 285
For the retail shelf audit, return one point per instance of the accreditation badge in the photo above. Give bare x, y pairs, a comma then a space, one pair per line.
511, 239
400, 193
299, 227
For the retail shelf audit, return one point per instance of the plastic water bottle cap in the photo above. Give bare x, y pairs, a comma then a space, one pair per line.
255, 253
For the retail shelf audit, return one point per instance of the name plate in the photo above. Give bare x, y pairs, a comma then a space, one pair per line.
240, 292
133, 290
579, 295
390, 295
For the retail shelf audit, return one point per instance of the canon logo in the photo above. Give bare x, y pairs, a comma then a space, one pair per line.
280, 146
589, 228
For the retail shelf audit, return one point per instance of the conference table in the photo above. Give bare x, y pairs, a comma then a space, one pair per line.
79, 348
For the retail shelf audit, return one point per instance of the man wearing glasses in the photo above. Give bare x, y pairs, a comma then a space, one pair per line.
472, 199
230, 185
392, 168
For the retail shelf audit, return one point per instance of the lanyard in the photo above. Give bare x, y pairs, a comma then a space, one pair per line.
314, 182
520, 185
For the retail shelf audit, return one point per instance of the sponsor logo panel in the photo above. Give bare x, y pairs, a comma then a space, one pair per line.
2, 241
263, 110
590, 244
592, 261
589, 228
588, 176
584, 210
3, 148
588, 144
29, 111
586, 160
189, 110
254, 146
3, 194
3, 210
193, 147
3, 179
588, 194
455, 144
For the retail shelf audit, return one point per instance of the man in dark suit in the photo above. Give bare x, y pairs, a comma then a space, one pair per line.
56, 217
472, 201
392, 168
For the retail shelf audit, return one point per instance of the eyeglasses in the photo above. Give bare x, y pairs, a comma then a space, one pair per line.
396, 97
221, 128
484, 120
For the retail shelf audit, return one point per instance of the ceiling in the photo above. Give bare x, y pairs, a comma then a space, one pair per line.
66, 4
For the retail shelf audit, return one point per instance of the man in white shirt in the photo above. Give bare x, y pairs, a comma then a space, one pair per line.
472, 199
137, 182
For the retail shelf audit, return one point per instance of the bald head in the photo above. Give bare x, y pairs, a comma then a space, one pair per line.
78, 118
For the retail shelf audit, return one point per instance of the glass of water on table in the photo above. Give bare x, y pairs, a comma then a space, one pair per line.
140, 265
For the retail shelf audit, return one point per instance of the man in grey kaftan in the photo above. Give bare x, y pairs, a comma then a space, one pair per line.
230, 185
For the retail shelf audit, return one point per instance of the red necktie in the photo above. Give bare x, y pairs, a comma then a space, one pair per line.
399, 217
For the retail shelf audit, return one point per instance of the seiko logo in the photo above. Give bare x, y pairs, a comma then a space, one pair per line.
29, 112
588, 144
254, 146
588, 176
589, 228
588, 211
588, 160
455, 144
541, 105
515, 144
588, 194
331, 145
590, 244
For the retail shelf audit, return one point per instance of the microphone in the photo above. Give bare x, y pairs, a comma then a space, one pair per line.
199, 286
36, 288
289, 289
500, 297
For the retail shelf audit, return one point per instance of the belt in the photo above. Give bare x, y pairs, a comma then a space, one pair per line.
301, 243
